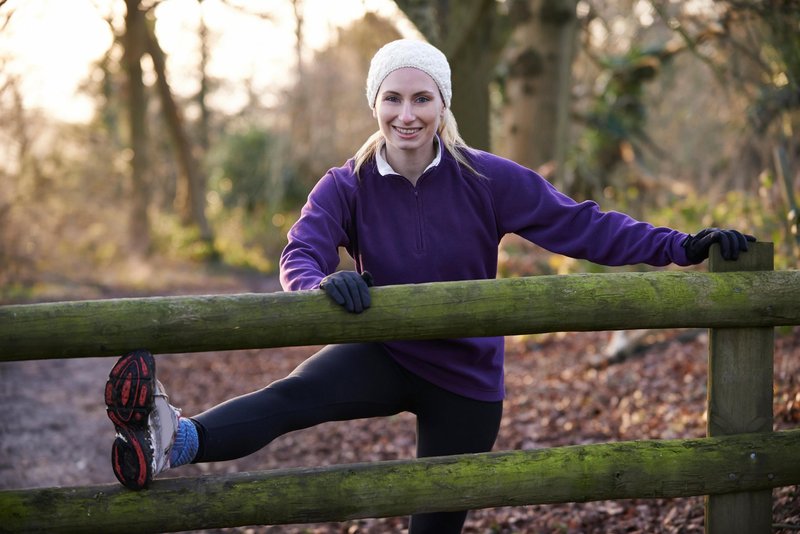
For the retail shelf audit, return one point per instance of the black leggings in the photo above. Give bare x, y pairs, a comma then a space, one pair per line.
343, 382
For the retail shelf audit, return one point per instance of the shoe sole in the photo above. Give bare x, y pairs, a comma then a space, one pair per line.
129, 397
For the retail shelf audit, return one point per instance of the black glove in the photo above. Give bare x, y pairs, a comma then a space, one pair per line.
349, 289
731, 243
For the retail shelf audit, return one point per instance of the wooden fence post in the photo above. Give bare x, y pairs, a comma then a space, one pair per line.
740, 368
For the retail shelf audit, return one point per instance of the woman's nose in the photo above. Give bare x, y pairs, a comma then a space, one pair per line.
407, 113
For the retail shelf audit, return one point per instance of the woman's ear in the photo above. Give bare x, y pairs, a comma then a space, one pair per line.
375, 112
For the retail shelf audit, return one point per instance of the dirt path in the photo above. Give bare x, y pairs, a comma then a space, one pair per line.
53, 428
52, 417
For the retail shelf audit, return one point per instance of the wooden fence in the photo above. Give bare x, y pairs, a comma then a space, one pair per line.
736, 466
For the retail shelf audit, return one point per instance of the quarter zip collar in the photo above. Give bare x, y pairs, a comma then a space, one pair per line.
384, 169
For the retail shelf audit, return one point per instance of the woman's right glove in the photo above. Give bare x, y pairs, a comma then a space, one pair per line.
731, 243
349, 289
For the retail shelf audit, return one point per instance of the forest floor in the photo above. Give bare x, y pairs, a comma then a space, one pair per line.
54, 431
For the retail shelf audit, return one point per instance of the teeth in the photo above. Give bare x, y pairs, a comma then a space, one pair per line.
406, 131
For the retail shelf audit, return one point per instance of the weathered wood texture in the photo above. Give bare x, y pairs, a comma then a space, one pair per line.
665, 299
641, 469
740, 367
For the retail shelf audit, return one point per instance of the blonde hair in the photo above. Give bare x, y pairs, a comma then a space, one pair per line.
448, 133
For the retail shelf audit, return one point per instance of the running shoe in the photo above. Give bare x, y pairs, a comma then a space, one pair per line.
145, 421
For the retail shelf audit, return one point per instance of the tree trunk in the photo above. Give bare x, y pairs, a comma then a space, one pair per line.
469, 45
580, 473
190, 196
300, 127
202, 94
134, 41
539, 56
467, 33
29, 169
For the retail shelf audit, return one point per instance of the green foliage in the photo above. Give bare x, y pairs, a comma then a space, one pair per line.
616, 119
242, 168
251, 200
252, 240
16, 292
247, 239
171, 238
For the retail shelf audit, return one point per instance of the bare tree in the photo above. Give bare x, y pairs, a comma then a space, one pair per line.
202, 94
135, 42
190, 196
299, 134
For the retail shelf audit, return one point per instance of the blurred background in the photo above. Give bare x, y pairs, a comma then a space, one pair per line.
143, 137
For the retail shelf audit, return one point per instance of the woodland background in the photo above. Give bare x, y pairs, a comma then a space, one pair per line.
682, 113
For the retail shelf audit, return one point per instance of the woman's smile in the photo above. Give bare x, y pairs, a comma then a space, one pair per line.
406, 132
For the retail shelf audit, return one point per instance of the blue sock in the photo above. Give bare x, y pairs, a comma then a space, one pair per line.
186, 443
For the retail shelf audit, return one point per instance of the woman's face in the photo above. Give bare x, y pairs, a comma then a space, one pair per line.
409, 110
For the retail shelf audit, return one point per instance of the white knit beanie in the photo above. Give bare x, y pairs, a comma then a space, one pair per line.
409, 53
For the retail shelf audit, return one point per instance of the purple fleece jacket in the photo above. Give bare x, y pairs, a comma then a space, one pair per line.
448, 227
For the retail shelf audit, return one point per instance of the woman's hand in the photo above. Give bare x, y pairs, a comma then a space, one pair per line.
349, 289
731, 243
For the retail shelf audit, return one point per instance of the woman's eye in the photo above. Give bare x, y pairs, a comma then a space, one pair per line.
423, 99
391, 98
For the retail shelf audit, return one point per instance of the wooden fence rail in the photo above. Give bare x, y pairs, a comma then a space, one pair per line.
736, 466
643, 469
530, 305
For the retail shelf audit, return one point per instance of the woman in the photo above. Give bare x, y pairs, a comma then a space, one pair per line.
414, 205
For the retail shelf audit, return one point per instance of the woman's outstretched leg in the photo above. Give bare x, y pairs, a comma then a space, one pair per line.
339, 382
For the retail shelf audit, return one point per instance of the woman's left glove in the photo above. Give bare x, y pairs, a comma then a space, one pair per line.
349, 289
731, 243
